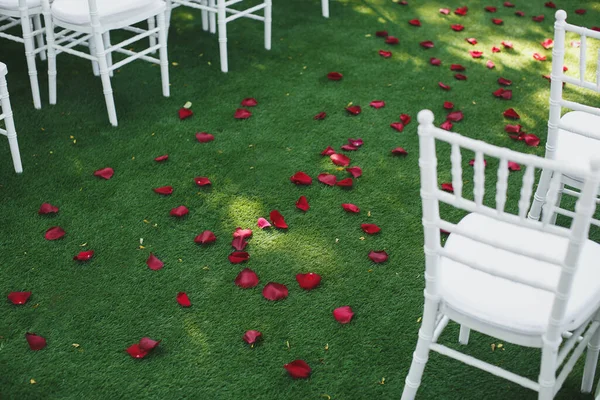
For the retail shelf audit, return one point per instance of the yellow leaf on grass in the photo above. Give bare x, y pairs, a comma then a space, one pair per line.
32, 381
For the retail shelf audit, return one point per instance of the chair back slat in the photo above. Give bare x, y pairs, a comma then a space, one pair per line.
582, 61
479, 177
457, 180
502, 185
550, 204
526, 191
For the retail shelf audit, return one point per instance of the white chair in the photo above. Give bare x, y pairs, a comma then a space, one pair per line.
325, 8
84, 21
9, 124
225, 14
504, 275
574, 138
27, 14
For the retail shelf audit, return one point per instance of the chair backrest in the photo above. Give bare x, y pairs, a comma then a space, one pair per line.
432, 195
560, 77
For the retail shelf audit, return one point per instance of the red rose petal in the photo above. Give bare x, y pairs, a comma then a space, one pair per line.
238, 257
448, 105
135, 351
399, 126
353, 110
328, 179
446, 125
385, 54
54, 233
547, 44
490, 64
381, 33
164, 190
251, 337
243, 233
513, 166
162, 158
531, 140
415, 22
302, 204
239, 243
205, 238
350, 208
105, 173
475, 53
343, 315
507, 44
519, 13
183, 299
336, 76
539, 57
472, 164
249, 102
308, 281
301, 178
490, 9
444, 11
511, 113
580, 11
378, 256
179, 211
262, 223
355, 171
154, 263
457, 67
320, 116
405, 118
460, 77
19, 298
435, 61
204, 137
497, 21
35, 342
356, 142
148, 344
444, 86
462, 11
503, 93
392, 40
84, 255
377, 103
447, 187
202, 181
455, 116
550, 4
513, 128
348, 182
340, 159
508, 4
328, 151
47, 208
277, 220
371, 229
472, 41
275, 291
427, 44
539, 18
242, 113
399, 151
349, 147
457, 27
246, 279
496, 50
185, 113
298, 369
504, 81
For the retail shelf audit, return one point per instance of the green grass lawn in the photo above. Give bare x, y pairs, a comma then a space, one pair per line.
110, 302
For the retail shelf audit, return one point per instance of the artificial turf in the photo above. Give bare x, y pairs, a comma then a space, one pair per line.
110, 302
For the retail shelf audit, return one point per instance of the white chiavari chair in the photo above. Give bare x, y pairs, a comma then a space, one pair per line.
9, 125
83, 21
520, 280
574, 137
25, 13
216, 14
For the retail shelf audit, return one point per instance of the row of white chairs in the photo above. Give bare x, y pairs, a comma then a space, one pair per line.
508, 274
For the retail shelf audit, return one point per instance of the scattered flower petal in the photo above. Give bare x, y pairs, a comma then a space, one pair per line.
399, 126
455, 116
204, 137
205, 238
507, 44
242, 113
249, 102
539, 57
513, 166
511, 113
54, 233
405, 118
444, 86
380, 34
460, 77
340, 159
277, 220
320, 116
47, 208
348, 182
444, 11
392, 40
353, 110
490, 64
18, 298
343, 315
202, 181
385, 53
239, 243
328, 151
513, 128
428, 44
183, 299
154, 263
301, 178
371, 229
457, 67
505, 94
539, 18
263, 223
246, 279
243, 233
336, 76
164, 190
302, 204
185, 113
350, 208
446, 125
35, 342
162, 158
328, 179
378, 256
238, 257
547, 44
497, 21
377, 103
415, 22
472, 41
457, 27
308, 281
251, 337
504, 81
355, 171
179, 211
84, 255
448, 105
399, 151
298, 369
435, 61
275, 291
447, 187
475, 53
105, 173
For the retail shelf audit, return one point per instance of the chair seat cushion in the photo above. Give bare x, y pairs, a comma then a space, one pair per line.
576, 149
14, 4
77, 11
506, 304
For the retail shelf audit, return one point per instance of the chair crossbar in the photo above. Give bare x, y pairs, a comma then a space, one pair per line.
246, 13
83, 40
135, 56
69, 37
580, 107
570, 343
474, 362
232, 2
582, 31
3, 132
65, 49
440, 326
12, 37
560, 380
12, 23
134, 39
453, 228
578, 82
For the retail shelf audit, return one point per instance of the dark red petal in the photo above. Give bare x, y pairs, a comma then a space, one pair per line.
435, 61
327, 179
497, 21
472, 164
547, 43
204, 137
507, 44
340, 159
415, 22
462, 11
84, 255
381, 33
531, 140
242, 113
320, 116
371, 229
490, 9
246, 279
308, 281
343, 315
249, 102
185, 113
353, 110
165, 190
446, 125
350, 208
348, 182
202, 181
54, 233
508, 4
457, 27
238, 257
448, 105
251, 337
205, 238
496, 50
298, 369
105, 173
179, 211
378, 256
356, 142
503, 93
539, 18
399, 126
36, 342
349, 147
239, 243
457, 67
447, 187
385, 54
154, 263
162, 158
475, 53
147, 344
47, 208
428, 44
539, 57
183, 299
392, 40
301, 178
328, 151
472, 41
136, 352
243, 233
275, 291
444, 86
580, 11
511, 113
277, 220
336, 76
18, 298
405, 118
550, 4
302, 204
513, 128
455, 116
504, 81
460, 77
355, 171
519, 13
399, 151
513, 166
377, 103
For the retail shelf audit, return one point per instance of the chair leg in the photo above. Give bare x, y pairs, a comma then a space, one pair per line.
463, 336
106, 41
421, 354
30, 56
95, 67
105, 77
152, 38
37, 24
591, 359
164, 59
11, 132
325, 8
540, 195
222, 35
268, 7
204, 16
547, 378
51, 56
212, 16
